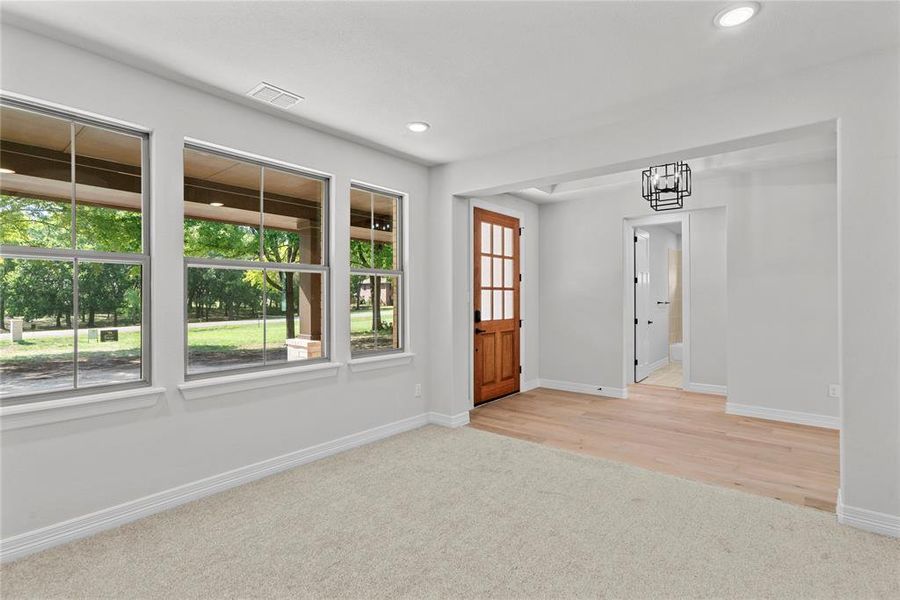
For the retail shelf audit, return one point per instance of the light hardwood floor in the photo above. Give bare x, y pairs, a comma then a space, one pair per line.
680, 433
669, 376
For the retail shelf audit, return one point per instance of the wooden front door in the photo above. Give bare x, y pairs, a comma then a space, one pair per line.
496, 303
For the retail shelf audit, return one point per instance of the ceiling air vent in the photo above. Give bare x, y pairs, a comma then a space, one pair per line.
270, 94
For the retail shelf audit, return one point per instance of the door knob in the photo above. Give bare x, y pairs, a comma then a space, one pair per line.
479, 330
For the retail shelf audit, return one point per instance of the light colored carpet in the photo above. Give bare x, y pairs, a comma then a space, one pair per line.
464, 514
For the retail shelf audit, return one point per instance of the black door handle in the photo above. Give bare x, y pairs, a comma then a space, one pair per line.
477, 331
649, 322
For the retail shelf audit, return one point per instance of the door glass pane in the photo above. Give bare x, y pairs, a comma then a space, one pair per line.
294, 316
486, 305
292, 217
107, 190
508, 311
508, 272
486, 238
507, 241
225, 326
37, 346
498, 239
36, 185
486, 271
498, 305
221, 206
498, 272
109, 323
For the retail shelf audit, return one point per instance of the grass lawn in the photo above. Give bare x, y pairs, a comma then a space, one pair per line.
59, 347
243, 336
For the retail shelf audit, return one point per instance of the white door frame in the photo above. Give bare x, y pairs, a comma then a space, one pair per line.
628, 226
641, 325
470, 269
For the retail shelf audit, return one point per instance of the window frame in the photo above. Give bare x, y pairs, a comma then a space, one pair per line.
73, 255
260, 264
400, 274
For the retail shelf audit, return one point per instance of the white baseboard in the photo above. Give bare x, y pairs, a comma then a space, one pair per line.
659, 364
60, 533
707, 388
529, 385
583, 388
868, 520
457, 420
787, 416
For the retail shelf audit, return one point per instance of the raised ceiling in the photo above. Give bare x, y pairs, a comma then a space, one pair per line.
815, 146
486, 75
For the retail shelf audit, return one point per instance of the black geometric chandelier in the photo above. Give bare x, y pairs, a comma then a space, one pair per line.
666, 186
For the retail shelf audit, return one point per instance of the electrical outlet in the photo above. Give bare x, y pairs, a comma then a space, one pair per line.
418, 390
834, 390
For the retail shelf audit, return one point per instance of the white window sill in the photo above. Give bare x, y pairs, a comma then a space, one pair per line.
77, 407
380, 361
227, 384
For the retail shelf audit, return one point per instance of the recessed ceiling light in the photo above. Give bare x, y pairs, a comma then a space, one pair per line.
418, 126
216, 204
737, 15
6, 171
272, 94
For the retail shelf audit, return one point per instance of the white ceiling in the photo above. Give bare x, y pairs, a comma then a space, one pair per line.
486, 75
814, 147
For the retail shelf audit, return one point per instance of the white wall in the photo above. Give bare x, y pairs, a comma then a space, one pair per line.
582, 344
529, 290
763, 287
709, 322
861, 96
662, 240
781, 290
64, 470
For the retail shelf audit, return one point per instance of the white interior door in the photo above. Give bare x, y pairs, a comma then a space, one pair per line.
641, 304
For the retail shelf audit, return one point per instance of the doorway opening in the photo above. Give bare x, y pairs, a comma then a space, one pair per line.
658, 305
657, 300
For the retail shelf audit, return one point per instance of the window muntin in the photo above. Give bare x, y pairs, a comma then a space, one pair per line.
376, 272
74, 273
256, 263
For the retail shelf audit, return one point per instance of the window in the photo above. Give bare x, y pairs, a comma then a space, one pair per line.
255, 263
74, 261
376, 271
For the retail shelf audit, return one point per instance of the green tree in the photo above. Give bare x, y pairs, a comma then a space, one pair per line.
36, 289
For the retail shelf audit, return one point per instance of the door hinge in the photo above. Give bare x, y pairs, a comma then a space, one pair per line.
520, 277
635, 239
520, 323
521, 230
635, 362
520, 368
635, 321
635, 279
